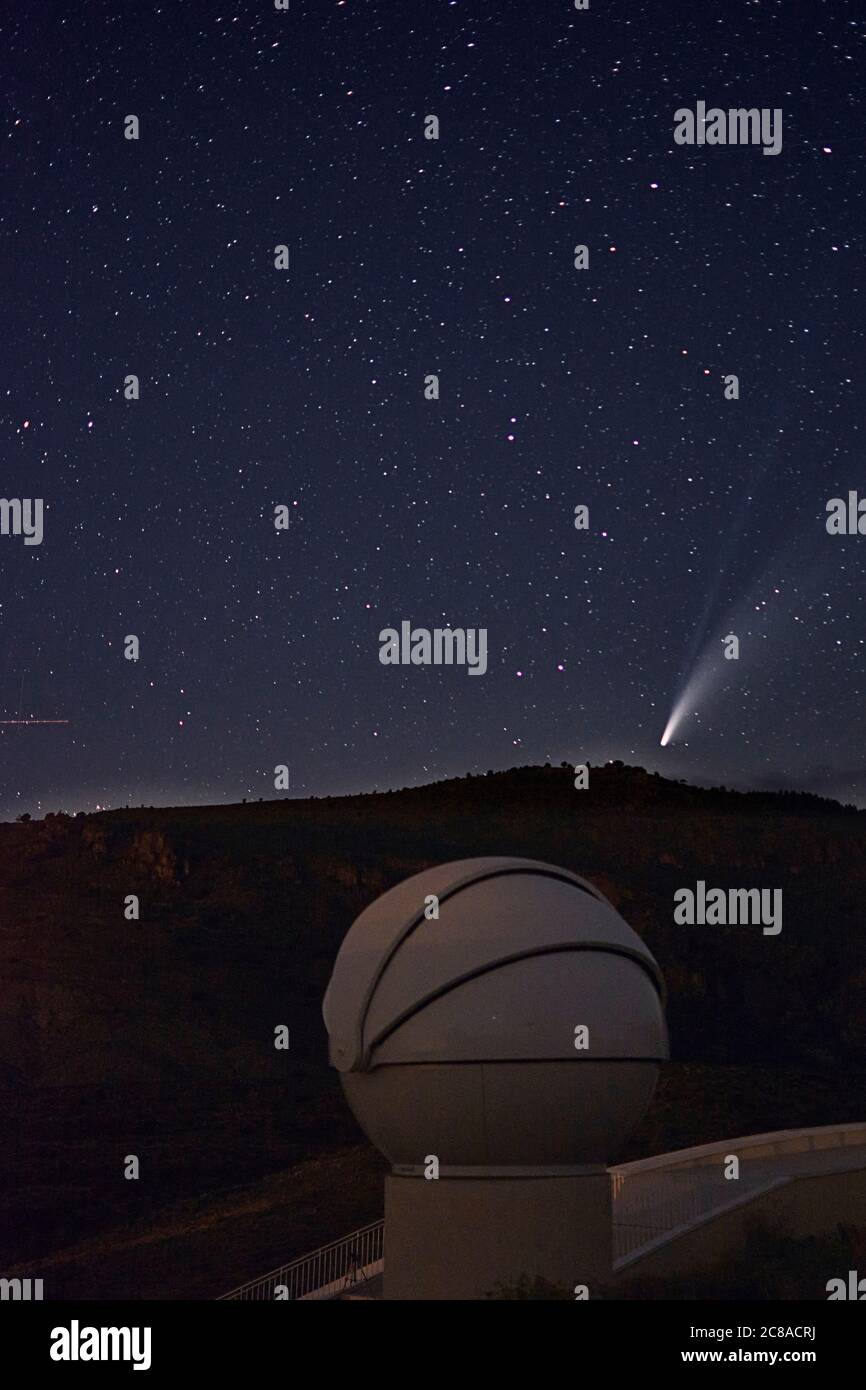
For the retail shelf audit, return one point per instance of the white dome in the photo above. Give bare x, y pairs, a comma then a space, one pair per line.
456, 1036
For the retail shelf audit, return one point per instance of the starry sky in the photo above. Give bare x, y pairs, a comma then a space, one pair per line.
305, 387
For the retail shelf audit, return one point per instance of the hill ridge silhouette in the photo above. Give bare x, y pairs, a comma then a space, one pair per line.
155, 1036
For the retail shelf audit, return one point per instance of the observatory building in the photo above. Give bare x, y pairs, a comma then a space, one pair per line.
498, 1029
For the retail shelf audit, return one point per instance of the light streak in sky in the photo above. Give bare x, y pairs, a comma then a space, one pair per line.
34, 721
696, 688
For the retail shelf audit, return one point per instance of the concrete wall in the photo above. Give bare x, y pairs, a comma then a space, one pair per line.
455, 1238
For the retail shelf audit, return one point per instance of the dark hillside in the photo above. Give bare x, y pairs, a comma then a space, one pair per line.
155, 1037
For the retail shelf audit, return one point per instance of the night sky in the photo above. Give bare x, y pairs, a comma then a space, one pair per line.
305, 387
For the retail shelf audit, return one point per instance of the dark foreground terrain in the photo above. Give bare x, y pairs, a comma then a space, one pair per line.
155, 1037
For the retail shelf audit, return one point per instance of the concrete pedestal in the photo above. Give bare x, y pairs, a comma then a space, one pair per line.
455, 1238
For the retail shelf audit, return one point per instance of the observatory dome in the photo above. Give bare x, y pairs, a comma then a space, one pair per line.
519, 1030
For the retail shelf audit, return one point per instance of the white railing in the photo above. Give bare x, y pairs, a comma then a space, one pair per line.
779, 1142
656, 1198
652, 1205
324, 1273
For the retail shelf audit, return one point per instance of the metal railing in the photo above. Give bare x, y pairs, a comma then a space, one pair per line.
325, 1273
657, 1197
647, 1206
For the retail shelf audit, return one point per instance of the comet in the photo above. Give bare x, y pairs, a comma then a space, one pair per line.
671, 726
678, 713
694, 692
